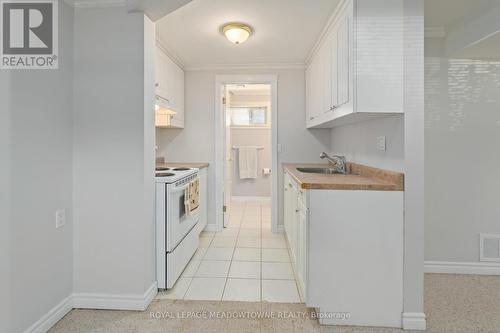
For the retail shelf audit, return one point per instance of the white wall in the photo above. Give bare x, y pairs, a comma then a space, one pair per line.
358, 142
5, 201
114, 229
260, 137
462, 136
36, 110
196, 142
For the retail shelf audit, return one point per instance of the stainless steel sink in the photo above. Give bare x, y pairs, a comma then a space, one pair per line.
324, 171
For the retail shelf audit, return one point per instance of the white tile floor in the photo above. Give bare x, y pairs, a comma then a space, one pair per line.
244, 262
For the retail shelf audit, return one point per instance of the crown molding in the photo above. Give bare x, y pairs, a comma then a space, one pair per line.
171, 54
435, 32
329, 25
96, 3
245, 66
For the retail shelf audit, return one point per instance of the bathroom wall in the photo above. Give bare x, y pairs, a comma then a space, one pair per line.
260, 187
251, 136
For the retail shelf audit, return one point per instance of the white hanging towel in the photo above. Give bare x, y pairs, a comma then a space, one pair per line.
247, 158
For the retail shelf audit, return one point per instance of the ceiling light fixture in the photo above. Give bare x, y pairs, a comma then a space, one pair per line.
236, 33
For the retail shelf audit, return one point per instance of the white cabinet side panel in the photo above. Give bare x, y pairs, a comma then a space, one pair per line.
356, 256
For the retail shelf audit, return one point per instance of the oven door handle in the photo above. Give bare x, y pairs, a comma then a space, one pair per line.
180, 189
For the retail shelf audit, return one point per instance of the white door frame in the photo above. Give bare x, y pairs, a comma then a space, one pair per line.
219, 140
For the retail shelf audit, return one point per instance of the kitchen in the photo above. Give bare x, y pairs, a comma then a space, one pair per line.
275, 159
341, 52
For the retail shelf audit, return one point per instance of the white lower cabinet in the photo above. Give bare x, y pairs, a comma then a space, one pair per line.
295, 220
346, 249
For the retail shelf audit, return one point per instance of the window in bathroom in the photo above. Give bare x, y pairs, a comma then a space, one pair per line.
249, 116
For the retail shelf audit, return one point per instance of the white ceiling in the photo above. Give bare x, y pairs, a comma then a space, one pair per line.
284, 31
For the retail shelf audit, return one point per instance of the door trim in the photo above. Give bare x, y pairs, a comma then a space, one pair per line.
219, 120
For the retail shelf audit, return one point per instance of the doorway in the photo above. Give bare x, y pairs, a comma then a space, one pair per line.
248, 156
246, 133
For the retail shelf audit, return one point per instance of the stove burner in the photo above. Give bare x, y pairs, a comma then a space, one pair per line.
181, 169
165, 174
162, 169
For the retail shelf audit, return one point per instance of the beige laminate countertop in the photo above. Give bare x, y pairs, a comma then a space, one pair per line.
183, 165
360, 177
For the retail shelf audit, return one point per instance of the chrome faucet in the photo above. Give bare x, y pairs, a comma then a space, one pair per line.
338, 160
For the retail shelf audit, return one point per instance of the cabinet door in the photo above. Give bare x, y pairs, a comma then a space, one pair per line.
314, 89
293, 227
309, 93
343, 61
325, 54
287, 207
177, 96
334, 69
161, 74
301, 265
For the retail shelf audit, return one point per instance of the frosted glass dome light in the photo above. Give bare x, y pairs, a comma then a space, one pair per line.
237, 33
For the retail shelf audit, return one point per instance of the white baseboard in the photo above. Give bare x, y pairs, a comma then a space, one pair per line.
115, 302
250, 198
93, 301
43, 324
451, 267
414, 321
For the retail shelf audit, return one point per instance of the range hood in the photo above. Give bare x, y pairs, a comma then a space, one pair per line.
162, 105
163, 112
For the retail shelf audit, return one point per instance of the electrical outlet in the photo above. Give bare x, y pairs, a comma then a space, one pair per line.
60, 218
381, 145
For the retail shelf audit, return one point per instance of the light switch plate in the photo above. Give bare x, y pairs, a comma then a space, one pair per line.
60, 218
381, 145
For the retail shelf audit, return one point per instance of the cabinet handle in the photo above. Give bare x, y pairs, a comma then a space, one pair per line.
157, 85
296, 211
311, 118
289, 185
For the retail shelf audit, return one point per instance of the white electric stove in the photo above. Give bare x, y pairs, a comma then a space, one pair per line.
176, 232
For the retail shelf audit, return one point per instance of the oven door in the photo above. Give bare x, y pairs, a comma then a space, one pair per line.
180, 221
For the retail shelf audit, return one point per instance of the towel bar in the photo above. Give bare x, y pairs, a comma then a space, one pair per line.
238, 147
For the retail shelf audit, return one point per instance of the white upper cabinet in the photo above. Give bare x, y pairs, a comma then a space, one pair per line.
356, 72
170, 89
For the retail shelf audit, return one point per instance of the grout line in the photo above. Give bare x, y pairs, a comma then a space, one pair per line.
231, 261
